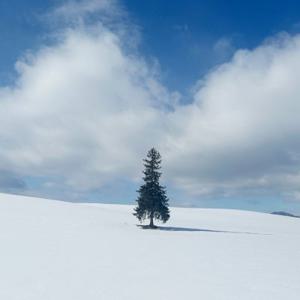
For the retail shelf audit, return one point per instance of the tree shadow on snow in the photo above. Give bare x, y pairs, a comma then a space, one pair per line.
187, 229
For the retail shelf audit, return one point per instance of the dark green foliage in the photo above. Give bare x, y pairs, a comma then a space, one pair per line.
152, 202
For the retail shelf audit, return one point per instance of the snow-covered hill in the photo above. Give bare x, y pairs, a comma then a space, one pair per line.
53, 250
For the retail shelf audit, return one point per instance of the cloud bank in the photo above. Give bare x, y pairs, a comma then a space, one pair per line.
87, 108
242, 130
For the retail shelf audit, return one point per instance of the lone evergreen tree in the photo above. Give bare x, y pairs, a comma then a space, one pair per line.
152, 202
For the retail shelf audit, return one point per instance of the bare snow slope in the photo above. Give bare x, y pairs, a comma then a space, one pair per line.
63, 251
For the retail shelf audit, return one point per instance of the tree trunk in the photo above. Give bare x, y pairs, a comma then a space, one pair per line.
151, 225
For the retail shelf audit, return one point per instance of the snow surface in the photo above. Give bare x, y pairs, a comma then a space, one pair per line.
63, 251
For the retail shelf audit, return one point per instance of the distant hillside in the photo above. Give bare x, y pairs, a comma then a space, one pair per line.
283, 213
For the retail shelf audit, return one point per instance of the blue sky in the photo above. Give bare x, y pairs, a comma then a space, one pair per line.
88, 86
180, 34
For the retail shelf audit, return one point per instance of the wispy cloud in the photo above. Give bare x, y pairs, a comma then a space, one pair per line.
77, 10
223, 48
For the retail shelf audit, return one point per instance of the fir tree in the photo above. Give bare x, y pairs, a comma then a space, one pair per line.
152, 202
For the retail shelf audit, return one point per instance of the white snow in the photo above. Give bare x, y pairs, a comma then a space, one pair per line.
63, 251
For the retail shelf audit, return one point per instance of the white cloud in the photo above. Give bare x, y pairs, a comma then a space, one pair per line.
242, 130
82, 109
87, 108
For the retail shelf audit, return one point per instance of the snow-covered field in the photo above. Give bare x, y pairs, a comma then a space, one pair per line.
63, 251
